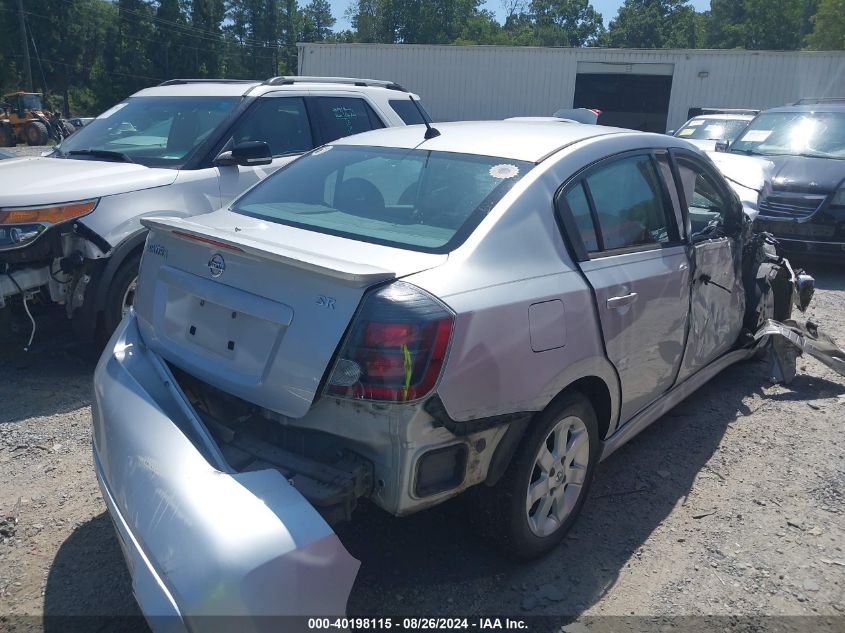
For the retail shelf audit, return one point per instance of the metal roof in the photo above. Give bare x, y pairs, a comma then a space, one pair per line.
518, 140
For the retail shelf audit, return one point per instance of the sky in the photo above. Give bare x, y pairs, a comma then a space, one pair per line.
607, 8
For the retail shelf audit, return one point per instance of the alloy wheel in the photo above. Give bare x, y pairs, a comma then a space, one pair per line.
560, 469
128, 297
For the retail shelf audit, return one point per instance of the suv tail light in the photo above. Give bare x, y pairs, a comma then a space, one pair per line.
395, 348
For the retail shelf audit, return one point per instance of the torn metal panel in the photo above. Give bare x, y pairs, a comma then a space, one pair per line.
200, 539
790, 340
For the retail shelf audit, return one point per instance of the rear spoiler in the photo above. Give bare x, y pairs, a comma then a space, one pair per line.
354, 272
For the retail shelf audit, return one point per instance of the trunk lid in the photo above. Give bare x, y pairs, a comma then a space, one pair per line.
254, 308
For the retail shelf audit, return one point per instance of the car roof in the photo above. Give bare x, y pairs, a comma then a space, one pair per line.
518, 140
237, 88
810, 107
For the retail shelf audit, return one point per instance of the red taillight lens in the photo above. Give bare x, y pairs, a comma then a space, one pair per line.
389, 334
396, 348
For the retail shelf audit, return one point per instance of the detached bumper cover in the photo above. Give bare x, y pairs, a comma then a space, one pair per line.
201, 541
791, 339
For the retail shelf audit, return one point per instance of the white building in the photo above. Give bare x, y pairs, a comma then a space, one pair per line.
642, 89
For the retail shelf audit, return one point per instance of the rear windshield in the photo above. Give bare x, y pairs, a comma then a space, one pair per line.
411, 198
712, 129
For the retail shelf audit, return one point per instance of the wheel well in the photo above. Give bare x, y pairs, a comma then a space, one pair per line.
596, 391
591, 387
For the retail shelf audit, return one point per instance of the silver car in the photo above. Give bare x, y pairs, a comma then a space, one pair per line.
404, 316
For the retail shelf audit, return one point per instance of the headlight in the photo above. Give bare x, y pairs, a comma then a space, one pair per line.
839, 197
22, 225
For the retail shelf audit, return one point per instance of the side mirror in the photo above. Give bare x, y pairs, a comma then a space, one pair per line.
723, 146
670, 132
247, 154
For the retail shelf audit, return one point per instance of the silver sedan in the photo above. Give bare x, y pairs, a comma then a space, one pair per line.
407, 315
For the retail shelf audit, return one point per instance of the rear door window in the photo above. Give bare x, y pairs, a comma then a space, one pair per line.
579, 206
343, 116
629, 204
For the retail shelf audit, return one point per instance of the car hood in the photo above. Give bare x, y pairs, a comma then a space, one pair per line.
801, 173
784, 173
751, 172
48, 180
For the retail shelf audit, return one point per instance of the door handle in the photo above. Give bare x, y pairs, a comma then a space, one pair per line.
621, 302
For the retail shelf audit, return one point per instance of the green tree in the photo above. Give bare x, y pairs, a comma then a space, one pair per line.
205, 47
758, 24
483, 28
169, 40
565, 22
317, 21
127, 61
654, 24
828, 26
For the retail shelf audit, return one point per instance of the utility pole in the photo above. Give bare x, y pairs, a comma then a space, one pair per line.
25, 47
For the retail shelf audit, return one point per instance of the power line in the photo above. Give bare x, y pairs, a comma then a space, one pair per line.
90, 68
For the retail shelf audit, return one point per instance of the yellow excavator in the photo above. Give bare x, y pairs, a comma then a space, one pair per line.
23, 119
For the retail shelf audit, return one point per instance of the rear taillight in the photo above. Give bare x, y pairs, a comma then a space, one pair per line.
396, 346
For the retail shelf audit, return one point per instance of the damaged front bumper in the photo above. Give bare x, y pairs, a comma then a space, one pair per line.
199, 539
791, 339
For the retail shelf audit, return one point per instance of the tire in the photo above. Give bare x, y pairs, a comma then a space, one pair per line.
7, 135
36, 133
120, 294
502, 513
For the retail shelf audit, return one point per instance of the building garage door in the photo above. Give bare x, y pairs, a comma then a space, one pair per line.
634, 96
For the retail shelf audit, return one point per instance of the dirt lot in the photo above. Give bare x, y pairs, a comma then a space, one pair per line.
732, 504
26, 150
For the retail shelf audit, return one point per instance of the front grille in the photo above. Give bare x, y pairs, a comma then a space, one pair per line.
790, 205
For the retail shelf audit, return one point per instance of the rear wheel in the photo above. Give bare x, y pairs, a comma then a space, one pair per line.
7, 135
535, 503
36, 133
121, 294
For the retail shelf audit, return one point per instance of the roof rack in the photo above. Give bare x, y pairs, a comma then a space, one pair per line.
179, 82
288, 80
813, 100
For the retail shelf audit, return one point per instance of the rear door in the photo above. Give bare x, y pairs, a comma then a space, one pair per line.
620, 218
336, 116
713, 223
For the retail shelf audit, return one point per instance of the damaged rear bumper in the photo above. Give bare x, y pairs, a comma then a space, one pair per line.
199, 539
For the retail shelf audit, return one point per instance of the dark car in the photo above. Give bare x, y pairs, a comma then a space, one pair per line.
802, 197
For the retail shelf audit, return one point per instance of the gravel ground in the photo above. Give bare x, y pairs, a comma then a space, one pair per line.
26, 150
731, 505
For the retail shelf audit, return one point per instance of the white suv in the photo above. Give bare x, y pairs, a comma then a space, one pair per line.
70, 222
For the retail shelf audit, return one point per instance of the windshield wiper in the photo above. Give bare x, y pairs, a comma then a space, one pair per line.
748, 152
805, 155
101, 153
